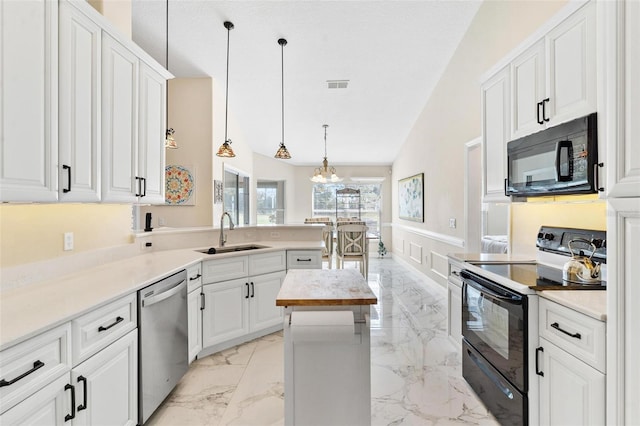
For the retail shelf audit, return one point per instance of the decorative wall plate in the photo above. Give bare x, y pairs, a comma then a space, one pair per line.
180, 186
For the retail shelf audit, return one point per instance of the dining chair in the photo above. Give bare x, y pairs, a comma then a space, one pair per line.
352, 246
327, 236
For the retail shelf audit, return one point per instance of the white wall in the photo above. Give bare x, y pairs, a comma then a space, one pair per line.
452, 117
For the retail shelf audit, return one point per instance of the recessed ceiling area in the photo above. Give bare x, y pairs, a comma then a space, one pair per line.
392, 53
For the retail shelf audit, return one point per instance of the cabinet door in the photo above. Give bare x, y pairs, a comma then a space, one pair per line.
622, 88
571, 392
106, 385
119, 122
528, 91
48, 406
226, 311
264, 290
79, 103
623, 339
151, 151
571, 81
495, 131
28, 100
194, 306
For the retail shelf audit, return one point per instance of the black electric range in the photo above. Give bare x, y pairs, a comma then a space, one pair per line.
537, 276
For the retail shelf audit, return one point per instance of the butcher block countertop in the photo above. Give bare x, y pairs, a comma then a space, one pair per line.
322, 287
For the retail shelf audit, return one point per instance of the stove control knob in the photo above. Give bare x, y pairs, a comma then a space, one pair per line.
540, 235
548, 236
599, 242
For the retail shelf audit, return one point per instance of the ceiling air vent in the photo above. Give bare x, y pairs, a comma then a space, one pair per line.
337, 84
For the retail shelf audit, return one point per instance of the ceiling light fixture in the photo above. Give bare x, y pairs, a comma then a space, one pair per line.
325, 173
169, 141
225, 149
283, 152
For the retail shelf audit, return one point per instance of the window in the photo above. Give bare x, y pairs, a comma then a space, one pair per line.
270, 201
324, 202
236, 196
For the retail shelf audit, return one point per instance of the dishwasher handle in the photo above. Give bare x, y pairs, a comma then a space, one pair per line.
164, 295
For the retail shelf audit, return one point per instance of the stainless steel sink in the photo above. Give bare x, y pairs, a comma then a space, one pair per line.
232, 249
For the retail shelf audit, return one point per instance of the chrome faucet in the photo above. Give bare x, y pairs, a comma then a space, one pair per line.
223, 238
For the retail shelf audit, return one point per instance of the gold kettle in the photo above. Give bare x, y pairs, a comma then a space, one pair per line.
581, 269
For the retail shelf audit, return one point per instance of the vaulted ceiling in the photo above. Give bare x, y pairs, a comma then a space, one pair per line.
391, 52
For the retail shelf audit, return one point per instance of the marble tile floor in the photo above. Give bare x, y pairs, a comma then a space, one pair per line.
415, 369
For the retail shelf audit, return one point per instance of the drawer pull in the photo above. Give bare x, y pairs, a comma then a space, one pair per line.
303, 260
557, 327
83, 406
73, 402
118, 320
36, 365
195, 278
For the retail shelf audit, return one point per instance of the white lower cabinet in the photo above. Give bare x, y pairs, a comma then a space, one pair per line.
106, 385
194, 309
226, 311
570, 366
571, 391
263, 311
454, 303
103, 390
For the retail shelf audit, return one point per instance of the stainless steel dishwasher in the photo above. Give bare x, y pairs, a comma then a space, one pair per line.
164, 351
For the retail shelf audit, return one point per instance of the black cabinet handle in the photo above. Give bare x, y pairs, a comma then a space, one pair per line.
73, 402
538, 371
118, 320
303, 260
538, 119
253, 292
84, 393
596, 177
202, 301
144, 181
505, 187
247, 296
138, 188
544, 110
36, 365
574, 335
68, 169
195, 278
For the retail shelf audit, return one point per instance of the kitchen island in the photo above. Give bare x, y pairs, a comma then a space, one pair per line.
327, 356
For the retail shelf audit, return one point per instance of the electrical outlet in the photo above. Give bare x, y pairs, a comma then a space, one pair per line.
275, 235
452, 222
161, 221
68, 241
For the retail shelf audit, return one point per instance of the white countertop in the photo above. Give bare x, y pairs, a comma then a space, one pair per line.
589, 302
29, 310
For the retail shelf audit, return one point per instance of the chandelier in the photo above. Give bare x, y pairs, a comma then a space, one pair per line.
325, 173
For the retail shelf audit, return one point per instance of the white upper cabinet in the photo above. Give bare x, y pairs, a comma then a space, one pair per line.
495, 131
621, 65
119, 123
28, 100
152, 125
79, 106
554, 80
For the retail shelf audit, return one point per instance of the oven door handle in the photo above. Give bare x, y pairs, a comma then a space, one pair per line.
512, 299
496, 380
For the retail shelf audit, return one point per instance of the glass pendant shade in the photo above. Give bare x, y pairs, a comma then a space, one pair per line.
283, 153
169, 141
225, 150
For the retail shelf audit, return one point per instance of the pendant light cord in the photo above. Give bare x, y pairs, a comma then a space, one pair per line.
229, 27
166, 62
282, 43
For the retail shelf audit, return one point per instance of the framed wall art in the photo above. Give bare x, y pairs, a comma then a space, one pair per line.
411, 198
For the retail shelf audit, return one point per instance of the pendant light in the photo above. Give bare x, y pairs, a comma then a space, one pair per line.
282, 152
325, 173
169, 141
225, 149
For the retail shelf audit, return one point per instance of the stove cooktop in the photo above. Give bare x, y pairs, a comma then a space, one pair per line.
537, 276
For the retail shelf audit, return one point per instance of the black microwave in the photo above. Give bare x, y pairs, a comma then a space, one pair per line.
560, 160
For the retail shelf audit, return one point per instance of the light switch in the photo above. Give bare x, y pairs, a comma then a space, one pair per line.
452, 222
68, 241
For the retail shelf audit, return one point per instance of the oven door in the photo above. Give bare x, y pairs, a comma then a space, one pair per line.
494, 323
